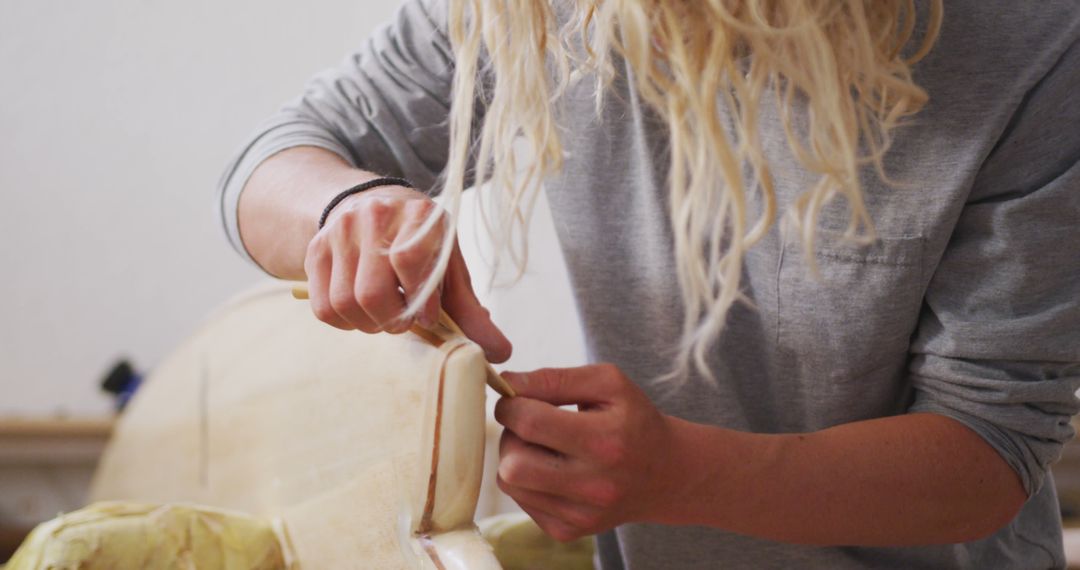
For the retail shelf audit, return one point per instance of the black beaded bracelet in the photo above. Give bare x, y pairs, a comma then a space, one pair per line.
374, 183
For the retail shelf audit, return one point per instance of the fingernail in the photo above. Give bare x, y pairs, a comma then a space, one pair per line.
425, 321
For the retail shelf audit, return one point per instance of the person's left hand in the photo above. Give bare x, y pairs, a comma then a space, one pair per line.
582, 472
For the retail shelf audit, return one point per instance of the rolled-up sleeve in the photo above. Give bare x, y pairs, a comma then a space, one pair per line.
384, 109
998, 345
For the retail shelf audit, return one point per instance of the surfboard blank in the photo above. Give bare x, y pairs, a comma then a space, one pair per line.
367, 449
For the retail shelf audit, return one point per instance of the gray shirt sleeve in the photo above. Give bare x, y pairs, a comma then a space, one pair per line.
998, 345
384, 109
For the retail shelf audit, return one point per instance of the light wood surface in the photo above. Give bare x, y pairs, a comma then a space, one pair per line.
52, 441
56, 427
268, 411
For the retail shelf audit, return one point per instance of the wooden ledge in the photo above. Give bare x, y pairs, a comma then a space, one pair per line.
53, 441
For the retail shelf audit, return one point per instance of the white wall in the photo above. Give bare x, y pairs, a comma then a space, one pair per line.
116, 119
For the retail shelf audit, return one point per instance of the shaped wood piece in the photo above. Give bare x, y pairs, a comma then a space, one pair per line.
367, 449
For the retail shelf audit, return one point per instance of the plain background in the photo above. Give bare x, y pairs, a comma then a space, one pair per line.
116, 120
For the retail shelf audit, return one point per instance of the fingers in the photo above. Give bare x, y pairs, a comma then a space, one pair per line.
579, 472
525, 466
375, 290
529, 466
585, 385
551, 514
341, 291
413, 255
461, 303
547, 488
543, 424
317, 266
371, 260
350, 279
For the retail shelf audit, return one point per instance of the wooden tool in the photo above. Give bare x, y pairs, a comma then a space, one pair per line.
443, 331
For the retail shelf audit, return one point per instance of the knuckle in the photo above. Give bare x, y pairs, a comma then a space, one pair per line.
341, 301
409, 257
511, 470
397, 328
608, 376
503, 485
367, 328
316, 246
368, 296
419, 208
324, 312
552, 379
399, 325
607, 369
344, 223
316, 253
376, 213
377, 206
526, 426
609, 450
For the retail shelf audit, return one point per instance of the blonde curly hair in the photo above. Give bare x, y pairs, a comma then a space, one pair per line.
848, 62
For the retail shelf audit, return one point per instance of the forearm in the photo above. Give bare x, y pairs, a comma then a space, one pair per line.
281, 203
904, 480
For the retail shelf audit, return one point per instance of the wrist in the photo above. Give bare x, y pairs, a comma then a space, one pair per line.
712, 473
345, 195
683, 479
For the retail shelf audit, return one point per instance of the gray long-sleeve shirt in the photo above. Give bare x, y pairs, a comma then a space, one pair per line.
968, 305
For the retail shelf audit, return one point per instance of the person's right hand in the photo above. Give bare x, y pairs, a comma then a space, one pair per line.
360, 276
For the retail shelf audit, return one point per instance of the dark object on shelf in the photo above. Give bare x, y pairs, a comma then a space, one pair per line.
122, 382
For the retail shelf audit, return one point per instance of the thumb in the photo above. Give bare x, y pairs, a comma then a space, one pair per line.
461, 304
595, 384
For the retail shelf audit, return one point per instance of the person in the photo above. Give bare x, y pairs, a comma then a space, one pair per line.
826, 256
